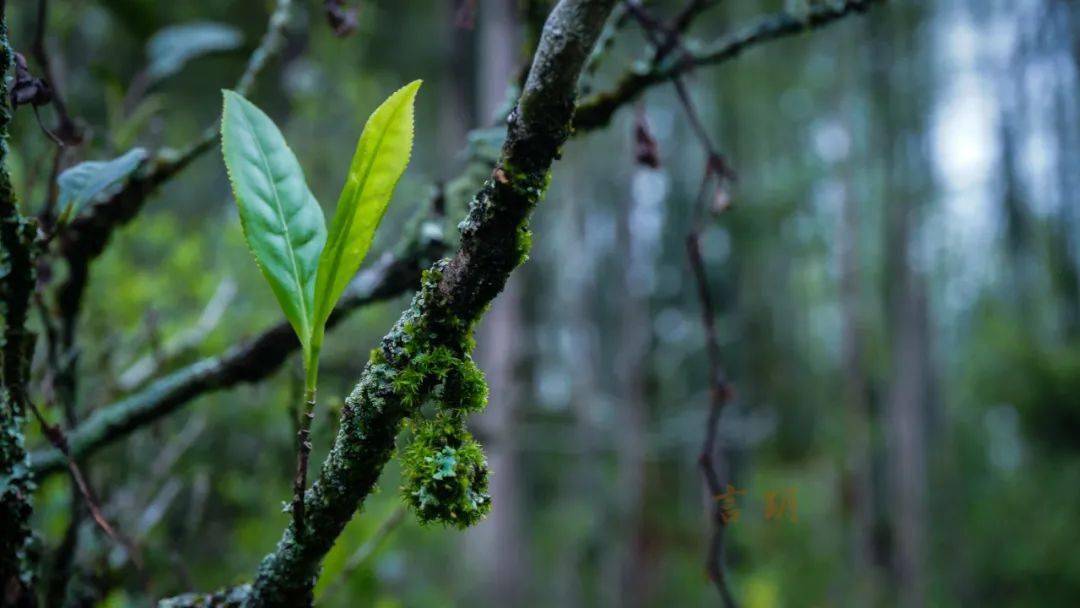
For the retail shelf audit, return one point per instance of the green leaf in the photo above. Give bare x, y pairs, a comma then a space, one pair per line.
282, 221
170, 48
81, 183
381, 157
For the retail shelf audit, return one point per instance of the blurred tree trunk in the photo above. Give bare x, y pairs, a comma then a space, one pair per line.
457, 107
501, 545
629, 560
576, 274
859, 499
907, 399
1065, 257
898, 114
858, 486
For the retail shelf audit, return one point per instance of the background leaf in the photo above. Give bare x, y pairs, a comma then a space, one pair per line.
282, 221
81, 183
172, 47
381, 157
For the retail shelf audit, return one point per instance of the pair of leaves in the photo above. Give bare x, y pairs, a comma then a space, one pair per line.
308, 268
81, 184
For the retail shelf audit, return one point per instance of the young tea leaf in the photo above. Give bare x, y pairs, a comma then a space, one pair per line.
282, 221
381, 156
80, 184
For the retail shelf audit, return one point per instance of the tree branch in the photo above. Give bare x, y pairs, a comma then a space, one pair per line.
597, 111
17, 245
85, 239
392, 275
453, 297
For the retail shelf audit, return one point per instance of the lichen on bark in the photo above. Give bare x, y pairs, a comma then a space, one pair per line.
17, 246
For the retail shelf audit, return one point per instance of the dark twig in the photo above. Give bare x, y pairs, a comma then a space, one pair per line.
655, 31
719, 394
56, 437
342, 18
67, 130
719, 390
679, 26
597, 110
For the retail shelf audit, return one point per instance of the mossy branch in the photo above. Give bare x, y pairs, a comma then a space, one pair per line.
17, 254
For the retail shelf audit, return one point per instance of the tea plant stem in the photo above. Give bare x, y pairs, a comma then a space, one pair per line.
303, 452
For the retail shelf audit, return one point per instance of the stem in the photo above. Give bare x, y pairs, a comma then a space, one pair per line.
303, 451
303, 439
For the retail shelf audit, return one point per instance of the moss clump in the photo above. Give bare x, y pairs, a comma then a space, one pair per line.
429, 368
446, 474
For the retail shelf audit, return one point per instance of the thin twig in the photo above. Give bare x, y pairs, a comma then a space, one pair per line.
56, 437
653, 29
719, 390
67, 130
719, 395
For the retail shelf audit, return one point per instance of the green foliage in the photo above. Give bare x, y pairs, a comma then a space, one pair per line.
446, 474
380, 159
80, 184
282, 221
1041, 381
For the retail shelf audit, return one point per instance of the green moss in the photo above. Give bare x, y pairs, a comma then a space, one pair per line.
429, 367
524, 244
446, 474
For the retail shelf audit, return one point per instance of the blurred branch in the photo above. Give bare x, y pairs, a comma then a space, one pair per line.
147, 366
619, 18
453, 298
596, 111
392, 275
67, 130
85, 239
